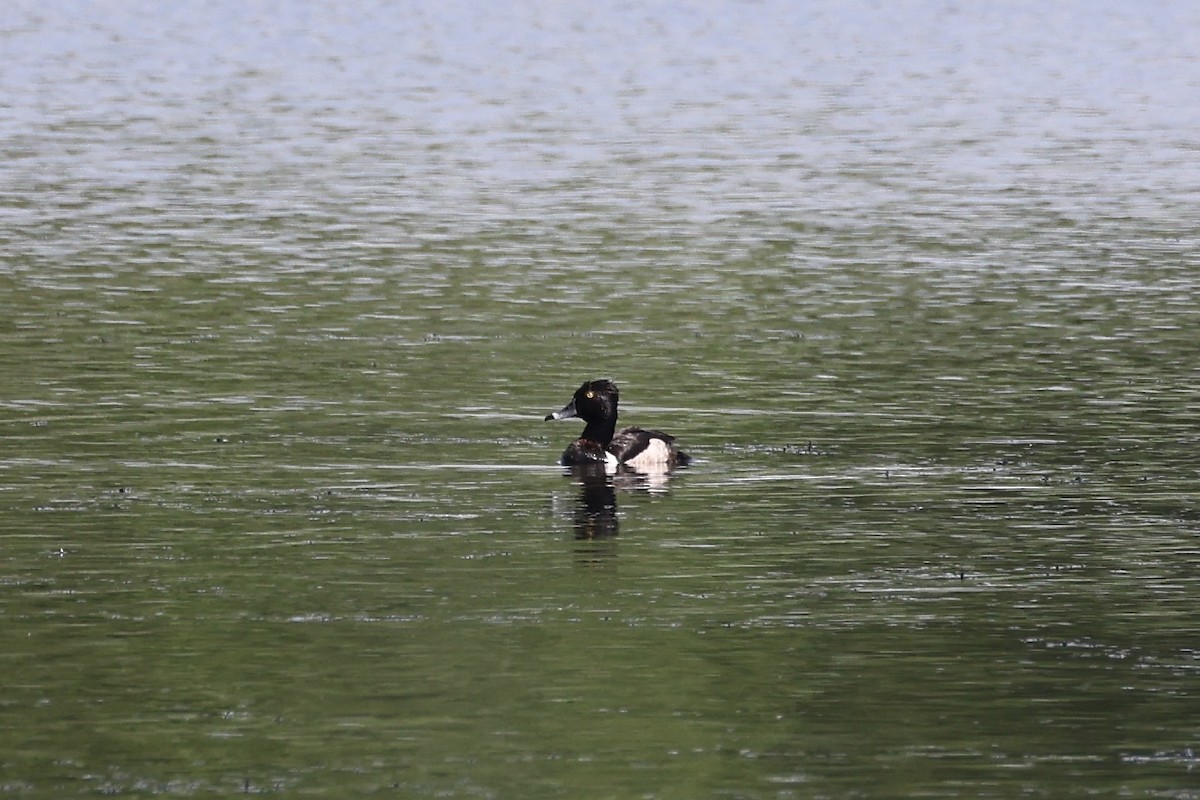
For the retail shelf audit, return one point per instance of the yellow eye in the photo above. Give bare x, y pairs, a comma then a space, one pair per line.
590, 395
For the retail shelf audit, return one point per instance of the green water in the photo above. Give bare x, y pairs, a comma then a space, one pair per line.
279, 512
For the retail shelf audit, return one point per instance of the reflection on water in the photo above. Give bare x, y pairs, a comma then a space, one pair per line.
596, 510
283, 287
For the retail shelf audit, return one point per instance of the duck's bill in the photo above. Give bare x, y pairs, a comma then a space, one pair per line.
567, 412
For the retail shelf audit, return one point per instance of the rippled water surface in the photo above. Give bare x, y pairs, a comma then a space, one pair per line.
287, 289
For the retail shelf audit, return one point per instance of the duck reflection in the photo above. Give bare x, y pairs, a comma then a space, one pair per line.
595, 512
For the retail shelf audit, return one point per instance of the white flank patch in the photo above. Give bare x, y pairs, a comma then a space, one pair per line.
657, 454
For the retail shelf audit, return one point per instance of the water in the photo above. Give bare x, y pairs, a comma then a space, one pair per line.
288, 288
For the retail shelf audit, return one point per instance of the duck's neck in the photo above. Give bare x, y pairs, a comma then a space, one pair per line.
600, 431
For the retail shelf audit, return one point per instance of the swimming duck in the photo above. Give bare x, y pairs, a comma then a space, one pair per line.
595, 402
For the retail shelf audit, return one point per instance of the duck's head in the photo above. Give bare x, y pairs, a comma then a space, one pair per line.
594, 401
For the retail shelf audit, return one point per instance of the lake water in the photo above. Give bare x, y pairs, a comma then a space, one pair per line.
287, 289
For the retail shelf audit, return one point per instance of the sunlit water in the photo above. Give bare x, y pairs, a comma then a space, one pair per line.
288, 289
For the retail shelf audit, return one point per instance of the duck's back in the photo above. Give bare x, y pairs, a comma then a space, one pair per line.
643, 449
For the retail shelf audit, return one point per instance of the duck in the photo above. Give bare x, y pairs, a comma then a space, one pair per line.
595, 402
